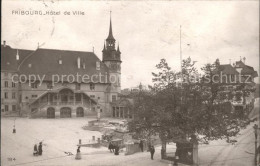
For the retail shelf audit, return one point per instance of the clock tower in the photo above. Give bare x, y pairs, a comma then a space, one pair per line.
112, 58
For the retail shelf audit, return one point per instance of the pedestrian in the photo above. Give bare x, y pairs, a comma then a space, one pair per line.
152, 150
116, 150
35, 151
40, 149
141, 145
78, 155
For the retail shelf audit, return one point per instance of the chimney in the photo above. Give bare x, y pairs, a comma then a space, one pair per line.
78, 62
17, 55
230, 61
244, 60
4, 43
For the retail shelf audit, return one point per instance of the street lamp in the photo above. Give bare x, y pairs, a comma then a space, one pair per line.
14, 130
255, 128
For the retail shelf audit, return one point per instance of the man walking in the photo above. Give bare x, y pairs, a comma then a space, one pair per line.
35, 151
141, 145
40, 149
152, 150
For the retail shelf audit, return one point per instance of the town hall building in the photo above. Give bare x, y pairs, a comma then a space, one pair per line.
66, 97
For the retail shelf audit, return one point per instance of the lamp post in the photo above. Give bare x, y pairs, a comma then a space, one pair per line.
255, 128
14, 130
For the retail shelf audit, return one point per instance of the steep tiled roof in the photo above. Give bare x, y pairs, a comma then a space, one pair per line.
246, 70
228, 69
46, 62
239, 64
8, 61
249, 70
8, 57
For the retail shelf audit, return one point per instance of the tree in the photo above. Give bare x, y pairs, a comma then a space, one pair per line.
182, 105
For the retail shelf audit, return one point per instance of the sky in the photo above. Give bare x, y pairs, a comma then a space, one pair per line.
146, 31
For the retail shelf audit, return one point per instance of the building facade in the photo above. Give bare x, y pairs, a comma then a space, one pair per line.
54, 83
239, 77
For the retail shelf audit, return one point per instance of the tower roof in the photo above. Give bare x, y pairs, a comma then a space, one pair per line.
118, 50
110, 35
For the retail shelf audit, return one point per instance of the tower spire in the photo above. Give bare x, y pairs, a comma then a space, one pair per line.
118, 50
110, 35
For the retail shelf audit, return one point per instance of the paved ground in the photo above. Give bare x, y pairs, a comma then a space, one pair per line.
59, 136
62, 135
219, 153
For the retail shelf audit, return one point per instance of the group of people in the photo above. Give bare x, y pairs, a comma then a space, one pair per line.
113, 148
37, 150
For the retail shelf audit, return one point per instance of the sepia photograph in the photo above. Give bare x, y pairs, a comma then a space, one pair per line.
130, 83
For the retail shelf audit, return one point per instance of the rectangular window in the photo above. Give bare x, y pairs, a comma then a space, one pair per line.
20, 98
13, 85
13, 107
92, 86
34, 96
232, 77
6, 108
92, 96
34, 85
113, 98
13, 95
6, 84
77, 86
6, 95
114, 111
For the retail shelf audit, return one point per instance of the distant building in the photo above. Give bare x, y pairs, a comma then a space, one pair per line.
60, 98
239, 76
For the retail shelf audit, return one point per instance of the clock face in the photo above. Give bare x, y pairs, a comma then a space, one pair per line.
114, 66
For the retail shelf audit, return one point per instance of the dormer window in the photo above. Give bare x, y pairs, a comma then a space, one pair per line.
60, 61
98, 65
29, 65
78, 62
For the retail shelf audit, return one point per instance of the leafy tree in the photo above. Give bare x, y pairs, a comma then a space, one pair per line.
184, 104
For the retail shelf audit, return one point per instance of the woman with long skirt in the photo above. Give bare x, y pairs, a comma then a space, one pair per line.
78, 155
